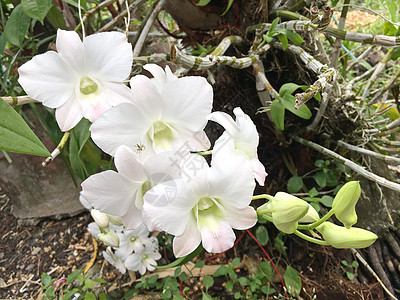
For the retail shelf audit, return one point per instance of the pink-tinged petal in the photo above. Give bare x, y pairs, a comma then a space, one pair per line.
48, 79
124, 124
110, 94
70, 48
259, 171
133, 217
194, 141
240, 218
69, 114
188, 241
232, 181
127, 164
225, 121
146, 97
109, 192
187, 101
169, 206
109, 55
219, 239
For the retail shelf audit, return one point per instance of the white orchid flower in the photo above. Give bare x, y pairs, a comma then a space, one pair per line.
115, 260
145, 259
81, 79
205, 207
240, 137
121, 193
167, 114
133, 240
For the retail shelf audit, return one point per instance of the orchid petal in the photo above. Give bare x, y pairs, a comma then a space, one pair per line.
58, 75
70, 47
109, 55
124, 124
69, 114
147, 99
188, 241
241, 218
225, 121
217, 240
109, 192
127, 164
187, 102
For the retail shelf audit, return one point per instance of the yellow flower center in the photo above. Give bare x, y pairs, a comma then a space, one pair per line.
87, 86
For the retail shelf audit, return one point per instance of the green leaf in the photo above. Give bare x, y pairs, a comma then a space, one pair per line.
350, 275
206, 296
327, 200
345, 263
177, 271
36, 9
17, 26
288, 88
262, 235
267, 290
354, 264
289, 102
3, 42
294, 37
292, 280
75, 3
237, 295
199, 264
294, 184
74, 275
313, 192
203, 2
389, 29
15, 134
99, 280
278, 114
183, 276
46, 280
90, 296
208, 281
227, 7
320, 179
221, 271
229, 285
273, 26
182, 260
243, 281
89, 284
284, 41
56, 19
266, 268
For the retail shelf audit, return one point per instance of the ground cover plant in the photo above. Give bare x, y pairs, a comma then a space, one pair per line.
180, 153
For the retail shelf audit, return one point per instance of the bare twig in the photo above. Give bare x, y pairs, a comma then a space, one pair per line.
20, 100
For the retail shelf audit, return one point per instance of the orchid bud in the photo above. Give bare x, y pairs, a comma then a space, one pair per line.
109, 238
287, 211
344, 204
100, 218
115, 220
341, 237
311, 216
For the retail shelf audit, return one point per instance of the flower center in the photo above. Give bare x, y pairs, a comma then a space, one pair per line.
133, 239
146, 186
161, 134
209, 214
87, 86
205, 203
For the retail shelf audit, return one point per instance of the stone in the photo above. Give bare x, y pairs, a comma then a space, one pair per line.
36, 191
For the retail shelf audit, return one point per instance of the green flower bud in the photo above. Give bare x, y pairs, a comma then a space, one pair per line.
287, 211
115, 220
311, 215
109, 238
344, 204
100, 218
341, 237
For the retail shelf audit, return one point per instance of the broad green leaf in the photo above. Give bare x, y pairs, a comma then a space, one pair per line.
74, 275
389, 29
273, 26
262, 235
320, 179
284, 41
266, 268
294, 184
56, 19
267, 290
90, 296
208, 281
288, 88
203, 2
327, 200
46, 279
235, 262
221, 271
17, 26
292, 281
278, 114
75, 3
289, 102
36, 9
313, 192
3, 42
294, 37
229, 285
15, 134
206, 296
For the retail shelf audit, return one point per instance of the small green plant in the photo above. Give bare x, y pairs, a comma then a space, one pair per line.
349, 269
76, 286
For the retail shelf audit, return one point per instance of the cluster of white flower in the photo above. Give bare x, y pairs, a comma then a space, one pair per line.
153, 130
127, 249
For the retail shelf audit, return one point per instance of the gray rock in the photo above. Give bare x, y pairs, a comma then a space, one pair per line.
35, 191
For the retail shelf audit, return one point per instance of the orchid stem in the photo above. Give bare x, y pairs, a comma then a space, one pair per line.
58, 149
322, 220
204, 153
310, 239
